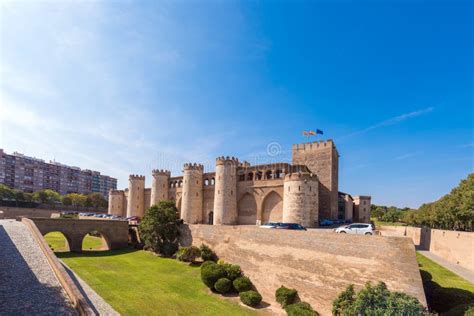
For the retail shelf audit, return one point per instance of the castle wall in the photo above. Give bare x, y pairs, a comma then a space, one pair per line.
147, 198
300, 203
191, 205
322, 159
317, 264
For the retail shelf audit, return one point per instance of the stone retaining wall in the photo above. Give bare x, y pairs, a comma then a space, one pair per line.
454, 246
318, 264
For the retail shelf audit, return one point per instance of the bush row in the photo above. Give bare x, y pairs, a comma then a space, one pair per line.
191, 253
289, 300
226, 278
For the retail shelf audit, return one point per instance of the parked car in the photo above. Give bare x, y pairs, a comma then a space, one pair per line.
270, 225
356, 228
291, 226
326, 222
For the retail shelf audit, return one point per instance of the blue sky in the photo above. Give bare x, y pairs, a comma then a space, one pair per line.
123, 87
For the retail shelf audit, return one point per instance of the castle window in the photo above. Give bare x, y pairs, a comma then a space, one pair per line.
268, 174
288, 189
258, 175
242, 177
197, 181
231, 192
250, 176
213, 181
309, 189
299, 188
197, 193
206, 182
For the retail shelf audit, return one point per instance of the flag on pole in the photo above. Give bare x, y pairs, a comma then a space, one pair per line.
312, 133
318, 131
305, 133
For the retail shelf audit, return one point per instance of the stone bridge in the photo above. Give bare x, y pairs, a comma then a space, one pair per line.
115, 233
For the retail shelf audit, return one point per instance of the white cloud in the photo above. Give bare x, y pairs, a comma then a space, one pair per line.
391, 121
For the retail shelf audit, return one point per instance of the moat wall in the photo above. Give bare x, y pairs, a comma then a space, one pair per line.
318, 264
453, 246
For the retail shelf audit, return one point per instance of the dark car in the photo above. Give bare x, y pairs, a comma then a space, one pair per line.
291, 226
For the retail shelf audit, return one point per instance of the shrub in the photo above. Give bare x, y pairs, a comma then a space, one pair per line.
207, 254
242, 284
211, 273
300, 309
159, 230
250, 298
188, 254
285, 296
206, 264
373, 300
220, 261
223, 285
233, 271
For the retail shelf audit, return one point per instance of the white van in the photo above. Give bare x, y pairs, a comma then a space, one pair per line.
356, 228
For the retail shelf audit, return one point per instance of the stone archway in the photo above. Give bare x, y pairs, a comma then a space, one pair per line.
272, 208
95, 241
247, 210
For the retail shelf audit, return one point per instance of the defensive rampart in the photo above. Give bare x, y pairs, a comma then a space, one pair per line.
454, 246
318, 264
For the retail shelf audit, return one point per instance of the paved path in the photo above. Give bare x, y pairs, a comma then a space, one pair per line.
28, 285
462, 272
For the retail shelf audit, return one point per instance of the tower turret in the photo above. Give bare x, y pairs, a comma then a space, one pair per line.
136, 196
191, 203
159, 186
300, 202
225, 194
116, 202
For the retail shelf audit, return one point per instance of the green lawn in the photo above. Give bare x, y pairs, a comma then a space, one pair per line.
140, 283
444, 289
58, 243
378, 223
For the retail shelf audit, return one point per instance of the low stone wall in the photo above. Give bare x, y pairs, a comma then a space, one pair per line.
77, 299
454, 246
13, 212
318, 264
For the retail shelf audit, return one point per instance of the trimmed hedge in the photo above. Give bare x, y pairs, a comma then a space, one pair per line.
250, 298
285, 296
206, 264
300, 309
211, 273
233, 271
223, 285
188, 254
207, 254
242, 284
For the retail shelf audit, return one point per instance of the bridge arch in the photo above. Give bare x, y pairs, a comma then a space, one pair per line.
95, 240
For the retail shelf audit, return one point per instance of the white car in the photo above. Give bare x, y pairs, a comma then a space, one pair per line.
356, 228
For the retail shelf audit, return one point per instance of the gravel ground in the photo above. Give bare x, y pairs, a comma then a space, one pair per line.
100, 306
28, 285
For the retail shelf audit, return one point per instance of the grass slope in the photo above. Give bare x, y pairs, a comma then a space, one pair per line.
57, 242
444, 289
140, 283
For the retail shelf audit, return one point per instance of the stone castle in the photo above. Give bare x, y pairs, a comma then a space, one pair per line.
238, 193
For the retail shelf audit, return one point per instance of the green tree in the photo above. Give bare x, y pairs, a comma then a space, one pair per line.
66, 200
46, 196
6, 192
96, 200
159, 229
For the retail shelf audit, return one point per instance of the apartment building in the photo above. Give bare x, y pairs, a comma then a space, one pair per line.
31, 174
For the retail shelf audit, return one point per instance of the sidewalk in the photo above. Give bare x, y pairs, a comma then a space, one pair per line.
462, 272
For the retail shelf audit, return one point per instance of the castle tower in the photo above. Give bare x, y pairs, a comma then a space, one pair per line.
116, 201
300, 200
225, 191
159, 186
191, 203
136, 196
322, 159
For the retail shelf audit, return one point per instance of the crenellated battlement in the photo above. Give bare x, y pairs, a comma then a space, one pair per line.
116, 192
301, 176
136, 177
161, 172
227, 160
193, 166
314, 145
